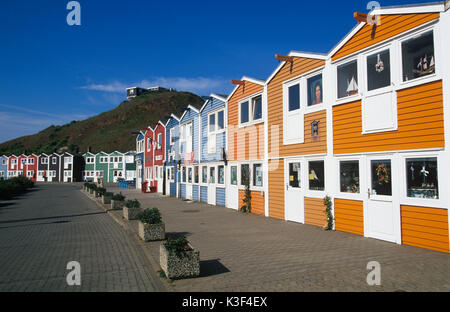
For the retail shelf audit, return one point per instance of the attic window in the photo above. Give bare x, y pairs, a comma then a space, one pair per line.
418, 57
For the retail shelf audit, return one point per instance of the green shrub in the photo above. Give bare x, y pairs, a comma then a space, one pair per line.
133, 204
150, 216
108, 194
14, 186
177, 245
101, 190
118, 197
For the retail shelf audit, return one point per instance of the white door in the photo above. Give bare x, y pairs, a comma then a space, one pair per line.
168, 175
232, 198
294, 191
139, 177
212, 180
189, 183
380, 208
160, 179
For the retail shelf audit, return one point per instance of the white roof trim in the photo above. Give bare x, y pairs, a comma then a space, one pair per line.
217, 97
245, 78
346, 38
411, 9
188, 108
318, 56
172, 116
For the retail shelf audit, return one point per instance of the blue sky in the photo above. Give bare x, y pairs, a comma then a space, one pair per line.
52, 73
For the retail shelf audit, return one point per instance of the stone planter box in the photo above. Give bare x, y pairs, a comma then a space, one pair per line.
131, 213
152, 232
179, 267
106, 200
97, 194
117, 204
91, 191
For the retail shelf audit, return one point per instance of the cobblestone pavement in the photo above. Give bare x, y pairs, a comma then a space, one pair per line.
41, 231
253, 253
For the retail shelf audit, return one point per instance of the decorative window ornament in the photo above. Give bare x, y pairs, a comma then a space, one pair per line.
315, 130
379, 66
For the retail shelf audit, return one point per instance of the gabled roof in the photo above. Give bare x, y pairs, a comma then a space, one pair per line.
219, 97
433, 7
310, 55
245, 78
160, 123
172, 116
188, 108
89, 153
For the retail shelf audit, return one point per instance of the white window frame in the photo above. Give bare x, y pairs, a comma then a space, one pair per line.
31, 161
253, 188
4, 162
212, 148
308, 191
345, 195
250, 99
304, 92
298, 113
54, 160
172, 136
350, 98
159, 140
149, 143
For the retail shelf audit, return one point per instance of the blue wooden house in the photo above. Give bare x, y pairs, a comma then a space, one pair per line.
172, 155
213, 157
189, 153
140, 157
3, 167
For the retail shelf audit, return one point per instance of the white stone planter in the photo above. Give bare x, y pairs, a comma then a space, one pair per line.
117, 204
97, 195
152, 232
106, 200
131, 213
179, 267
91, 191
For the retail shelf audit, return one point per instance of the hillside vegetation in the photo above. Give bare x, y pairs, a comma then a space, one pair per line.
109, 131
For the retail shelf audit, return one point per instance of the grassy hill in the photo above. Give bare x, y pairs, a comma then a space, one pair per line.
109, 131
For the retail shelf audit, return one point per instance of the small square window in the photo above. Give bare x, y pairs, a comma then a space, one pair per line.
315, 94
349, 176
418, 57
347, 79
378, 70
257, 108
294, 97
316, 176
422, 178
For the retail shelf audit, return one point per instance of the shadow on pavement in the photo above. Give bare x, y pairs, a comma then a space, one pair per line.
55, 217
212, 267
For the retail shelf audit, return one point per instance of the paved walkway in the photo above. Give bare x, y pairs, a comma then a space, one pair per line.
41, 231
252, 253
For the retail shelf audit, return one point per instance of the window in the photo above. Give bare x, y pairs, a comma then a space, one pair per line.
315, 94
347, 76
212, 175
422, 178
245, 174
67, 160
418, 57
204, 174
257, 175
159, 140
31, 161
172, 174
148, 145
251, 110
120, 159
295, 175
378, 70
316, 176
220, 120
184, 174
221, 173
381, 177
244, 112
54, 160
349, 176
4, 162
215, 126
233, 175
172, 136
196, 180
294, 97
190, 175
44, 161
212, 123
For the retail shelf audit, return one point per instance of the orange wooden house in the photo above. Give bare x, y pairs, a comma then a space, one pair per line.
367, 124
390, 127
245, 143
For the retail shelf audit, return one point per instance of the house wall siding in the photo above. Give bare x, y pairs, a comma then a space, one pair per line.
349, 216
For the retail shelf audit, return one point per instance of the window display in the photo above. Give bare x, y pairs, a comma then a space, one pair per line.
316, 176
349, 176
221, 172
347, 79
422, 178
295, 175
245, 174
418, 57
315, 91
257, 175
381, 177
379, 70
234, 175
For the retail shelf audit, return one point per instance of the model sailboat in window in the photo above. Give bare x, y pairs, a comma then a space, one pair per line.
352, 88
424, 67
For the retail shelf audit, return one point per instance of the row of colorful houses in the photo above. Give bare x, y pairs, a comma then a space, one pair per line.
110, 167
366, 124
55, 167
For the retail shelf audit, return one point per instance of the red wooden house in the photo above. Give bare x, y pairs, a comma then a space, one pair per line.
159, 148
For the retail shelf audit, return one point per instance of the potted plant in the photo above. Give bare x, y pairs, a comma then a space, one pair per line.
106, 198
85, 186
117, 201
92, 189
100, 191
151, 227
178, 259
132, 209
